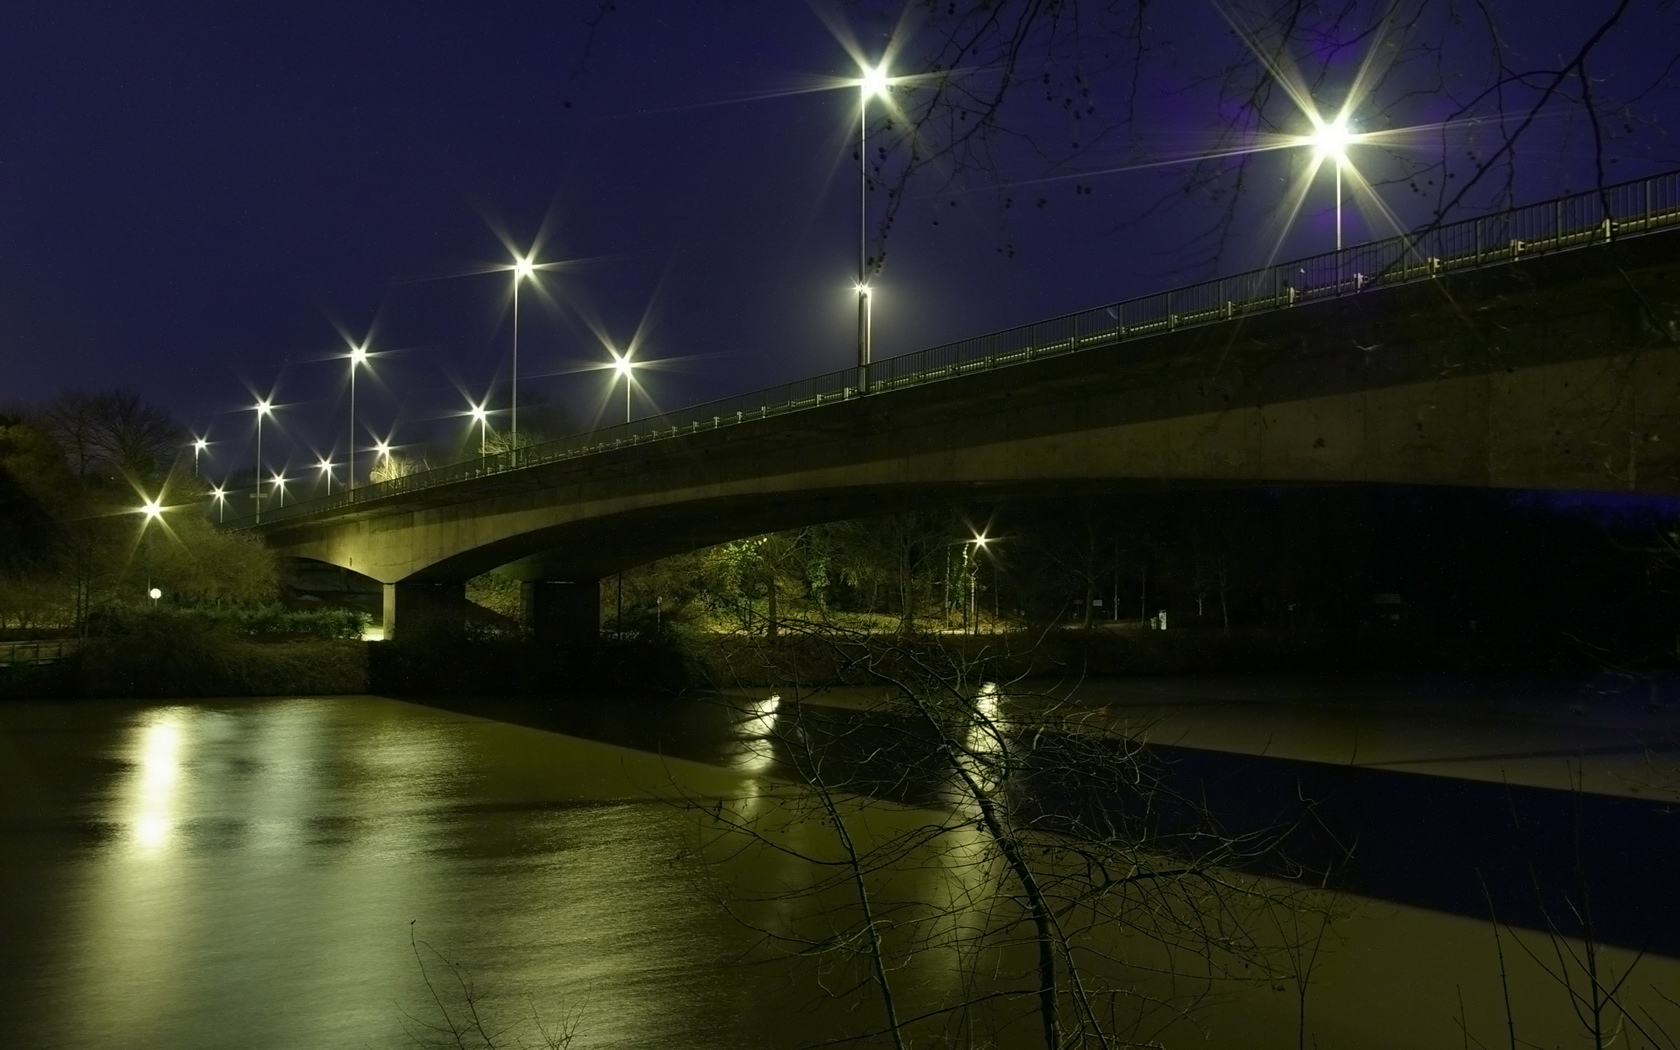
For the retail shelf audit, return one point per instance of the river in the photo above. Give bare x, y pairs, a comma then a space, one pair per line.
305, 872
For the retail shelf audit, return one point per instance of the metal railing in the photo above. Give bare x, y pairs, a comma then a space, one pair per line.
1576, 221
36, 651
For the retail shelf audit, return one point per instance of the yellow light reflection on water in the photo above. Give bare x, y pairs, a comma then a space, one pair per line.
157, 769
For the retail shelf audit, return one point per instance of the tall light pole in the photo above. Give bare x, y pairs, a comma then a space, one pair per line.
624, 368
523, 268
972, 551
1331, 139
873, 82
153, 511
280, 483
481, 416
198, 445
263, 407
325, 466
358, 356
220, 495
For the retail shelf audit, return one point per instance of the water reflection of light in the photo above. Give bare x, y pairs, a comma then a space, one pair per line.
159, 766
755, 751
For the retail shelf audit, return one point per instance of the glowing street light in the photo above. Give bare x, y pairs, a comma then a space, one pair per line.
971, 560
198, 447
624, 368
263, 407
358, 356
279, 480
325, 466
152, 509
1330, 140
523, 268
871, 84
219, 494
481, 416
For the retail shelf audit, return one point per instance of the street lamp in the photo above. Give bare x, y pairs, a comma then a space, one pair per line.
481, 416
1330, 140
263, 407
280, 484
523, 269
872, 83
325, 466
382, 453
151, 510
220, 495
358, 356
971, 559
624, 368
198, 446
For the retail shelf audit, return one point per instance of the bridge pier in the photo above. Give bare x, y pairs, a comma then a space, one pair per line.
566, 612
419, 609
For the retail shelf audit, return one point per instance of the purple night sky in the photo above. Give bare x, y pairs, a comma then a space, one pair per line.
200, 198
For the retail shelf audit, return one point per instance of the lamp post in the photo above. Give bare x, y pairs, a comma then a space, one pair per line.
325, 466
220, 495
382, 453
971, 566
481, 416
624, 368
523, 268
1331, 139
873, 82
153, 511
198, 446
263, 407
358, 356
280, 484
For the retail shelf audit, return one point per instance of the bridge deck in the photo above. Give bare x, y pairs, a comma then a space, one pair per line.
1567, 223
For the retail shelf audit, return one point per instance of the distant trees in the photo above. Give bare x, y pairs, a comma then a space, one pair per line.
74, 475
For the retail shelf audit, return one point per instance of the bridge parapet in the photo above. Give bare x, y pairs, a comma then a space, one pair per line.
1567, 223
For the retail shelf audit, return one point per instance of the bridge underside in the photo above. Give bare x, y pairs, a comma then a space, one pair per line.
1560, 372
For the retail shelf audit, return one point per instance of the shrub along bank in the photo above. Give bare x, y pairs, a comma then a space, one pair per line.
184, 653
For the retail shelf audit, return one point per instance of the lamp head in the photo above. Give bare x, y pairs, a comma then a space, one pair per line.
152, 509
1331, 138
381, 447
264, 407
358, 355
874, 80
623, 365
523, 269
219, 493
479, 414
324, 465
199, 444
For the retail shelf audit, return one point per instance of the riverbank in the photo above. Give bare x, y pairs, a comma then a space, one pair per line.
178, 662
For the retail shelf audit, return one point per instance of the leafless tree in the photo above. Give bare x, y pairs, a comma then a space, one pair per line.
113, 432
1037, 882
1033, 102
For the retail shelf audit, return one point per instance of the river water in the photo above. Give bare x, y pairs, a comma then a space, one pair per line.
339, 872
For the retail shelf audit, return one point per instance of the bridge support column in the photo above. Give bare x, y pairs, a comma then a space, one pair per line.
567, 612
418, 609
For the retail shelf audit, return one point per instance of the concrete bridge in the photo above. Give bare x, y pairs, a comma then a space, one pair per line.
1537, 348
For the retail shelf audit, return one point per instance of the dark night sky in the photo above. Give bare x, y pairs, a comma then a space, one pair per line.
195, 195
